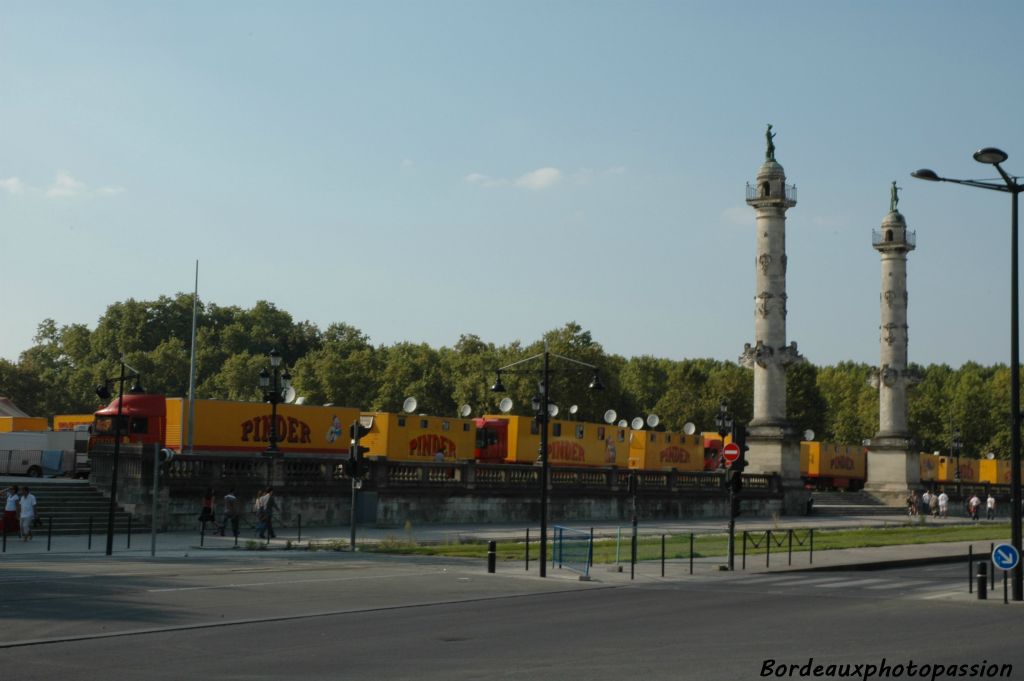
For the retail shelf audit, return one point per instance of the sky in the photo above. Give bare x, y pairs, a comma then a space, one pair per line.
423, 170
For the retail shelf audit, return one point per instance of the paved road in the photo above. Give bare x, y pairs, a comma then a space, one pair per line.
338, 616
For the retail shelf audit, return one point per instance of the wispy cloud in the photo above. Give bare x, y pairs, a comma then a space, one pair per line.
12, 185
485, 180
542, 178
64, 186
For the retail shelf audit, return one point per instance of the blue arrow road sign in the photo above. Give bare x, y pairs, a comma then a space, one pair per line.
1005, 557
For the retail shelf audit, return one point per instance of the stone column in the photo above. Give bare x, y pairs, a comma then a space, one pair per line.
773, 446
893, 468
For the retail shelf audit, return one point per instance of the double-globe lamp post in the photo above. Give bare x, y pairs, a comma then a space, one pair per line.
103, 392
995, 157
541, 405
273, 384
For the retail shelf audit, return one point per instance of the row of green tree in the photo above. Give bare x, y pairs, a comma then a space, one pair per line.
340, 365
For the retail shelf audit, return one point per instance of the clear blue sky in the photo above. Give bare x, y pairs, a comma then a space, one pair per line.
425, 169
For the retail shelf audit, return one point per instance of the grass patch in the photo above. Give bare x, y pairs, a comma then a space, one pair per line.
677, 546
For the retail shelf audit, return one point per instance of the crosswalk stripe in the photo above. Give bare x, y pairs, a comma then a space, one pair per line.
856, 582
898, 584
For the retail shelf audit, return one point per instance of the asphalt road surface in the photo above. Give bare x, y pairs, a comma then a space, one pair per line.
336, 616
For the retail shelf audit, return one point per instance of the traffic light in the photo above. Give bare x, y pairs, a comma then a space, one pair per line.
739, 437
355, 467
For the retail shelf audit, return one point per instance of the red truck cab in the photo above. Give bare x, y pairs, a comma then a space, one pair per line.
143, 420
491, 440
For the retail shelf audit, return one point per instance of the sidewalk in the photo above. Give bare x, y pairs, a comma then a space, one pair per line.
195, 546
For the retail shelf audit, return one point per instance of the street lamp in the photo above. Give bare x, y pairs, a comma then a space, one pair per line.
103, 392
274, 385
541, 404
994, 157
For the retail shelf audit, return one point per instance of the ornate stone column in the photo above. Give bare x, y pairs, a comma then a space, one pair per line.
773, 447
894, 465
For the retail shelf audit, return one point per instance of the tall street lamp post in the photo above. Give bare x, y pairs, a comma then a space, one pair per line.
103, 392
542, 405
273, 384
1011, 185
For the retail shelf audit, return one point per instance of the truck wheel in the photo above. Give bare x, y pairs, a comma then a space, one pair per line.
35, 472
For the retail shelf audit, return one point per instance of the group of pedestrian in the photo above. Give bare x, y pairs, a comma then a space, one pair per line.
263, 507
937, 505
974, 506
930, 503
19, 512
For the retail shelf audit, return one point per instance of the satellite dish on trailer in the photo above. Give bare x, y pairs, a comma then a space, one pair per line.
465, 410
689, 428
610, 416
552, 410
653, 420
637, 423
505, 406
301, 400
622, 423
809, 435
289, 395
990, 456
409, 406
574, 408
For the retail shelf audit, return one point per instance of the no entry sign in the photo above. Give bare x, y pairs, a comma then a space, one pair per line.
731, 452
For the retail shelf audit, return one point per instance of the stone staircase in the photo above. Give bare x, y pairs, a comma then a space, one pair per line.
71, 503
852, 504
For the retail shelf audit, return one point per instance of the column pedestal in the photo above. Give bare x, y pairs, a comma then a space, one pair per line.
893, 470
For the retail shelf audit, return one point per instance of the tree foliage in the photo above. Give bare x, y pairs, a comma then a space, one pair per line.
340, 365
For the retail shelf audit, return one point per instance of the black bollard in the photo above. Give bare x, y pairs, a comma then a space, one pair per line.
49, 534
492, 556
982, 580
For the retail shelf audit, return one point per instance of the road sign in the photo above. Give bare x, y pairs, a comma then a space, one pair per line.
731, 452
1005, 557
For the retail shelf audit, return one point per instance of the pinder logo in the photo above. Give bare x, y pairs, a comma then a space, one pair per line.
429, 444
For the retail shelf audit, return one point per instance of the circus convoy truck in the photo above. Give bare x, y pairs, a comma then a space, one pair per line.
304, 432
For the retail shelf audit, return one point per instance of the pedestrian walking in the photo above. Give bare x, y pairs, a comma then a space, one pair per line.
933, 505
943, 504
206, 514
10, 521
261, 516
26, 512
232, 511
973, 505
267, 505
912, 503
990, 507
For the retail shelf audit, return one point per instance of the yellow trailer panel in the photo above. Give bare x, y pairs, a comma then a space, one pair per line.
653, 450
570, 443
22, 424
245, 427
411, 437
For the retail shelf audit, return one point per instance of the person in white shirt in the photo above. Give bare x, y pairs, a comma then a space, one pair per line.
11, 511
26, 512
943, 504
990, 507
